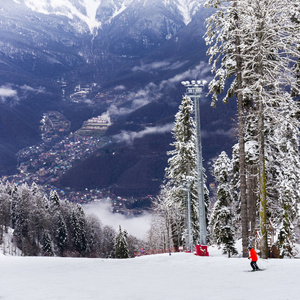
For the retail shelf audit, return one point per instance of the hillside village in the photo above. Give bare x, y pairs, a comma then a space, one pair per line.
59, 150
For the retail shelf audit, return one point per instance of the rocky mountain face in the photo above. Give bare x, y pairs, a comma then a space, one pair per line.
134, 52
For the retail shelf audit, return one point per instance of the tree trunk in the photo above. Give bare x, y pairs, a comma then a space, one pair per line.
244, 214
244, 211
262, 184
251, 195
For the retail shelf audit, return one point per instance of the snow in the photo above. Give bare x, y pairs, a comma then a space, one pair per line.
68, 9
37, 5
185, 8
188, 8
118, 11
179, 276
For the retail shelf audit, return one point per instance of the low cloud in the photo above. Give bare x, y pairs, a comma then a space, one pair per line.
8, 95
130, 136
159, 65
12, 95
201, 71
120, 88
39, 90
119, 111
137, 226
89, 102
7, 92
136, 100
150, 67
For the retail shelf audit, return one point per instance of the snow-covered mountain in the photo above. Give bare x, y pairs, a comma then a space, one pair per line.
73, 33
136, 52
95, 13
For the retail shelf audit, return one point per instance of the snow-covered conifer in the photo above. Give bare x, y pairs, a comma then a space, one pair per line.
79, 230
121, 246
5, 213
222, 227
61, 234
54, 199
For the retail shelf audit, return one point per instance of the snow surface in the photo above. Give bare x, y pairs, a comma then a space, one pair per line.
179, 276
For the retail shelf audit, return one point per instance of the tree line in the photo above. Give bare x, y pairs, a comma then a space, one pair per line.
48, 226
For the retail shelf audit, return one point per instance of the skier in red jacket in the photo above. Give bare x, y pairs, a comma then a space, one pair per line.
253, 257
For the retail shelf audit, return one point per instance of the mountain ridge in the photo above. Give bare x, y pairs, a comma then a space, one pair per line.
132, 68
96, 13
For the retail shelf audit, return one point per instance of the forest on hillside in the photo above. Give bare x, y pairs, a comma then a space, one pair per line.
47, 226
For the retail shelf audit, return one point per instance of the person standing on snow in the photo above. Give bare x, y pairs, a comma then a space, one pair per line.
254, 259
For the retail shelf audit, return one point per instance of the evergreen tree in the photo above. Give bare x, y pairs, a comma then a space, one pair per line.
39, 218
61, 234
235, 183
82, 224
5, 213
121, 246
21, 215
54, 199
222, 216
78, 230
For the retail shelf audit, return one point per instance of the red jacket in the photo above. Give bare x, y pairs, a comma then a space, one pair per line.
253, 255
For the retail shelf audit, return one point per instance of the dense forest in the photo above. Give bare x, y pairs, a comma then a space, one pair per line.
47, 226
